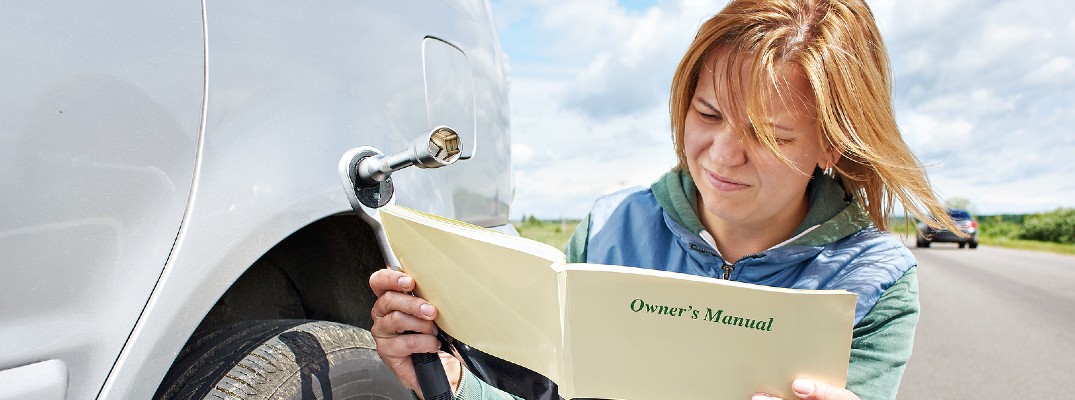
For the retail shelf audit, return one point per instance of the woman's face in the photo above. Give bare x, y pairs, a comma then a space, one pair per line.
744, 189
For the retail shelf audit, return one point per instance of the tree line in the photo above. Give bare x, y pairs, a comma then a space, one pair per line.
1056, 226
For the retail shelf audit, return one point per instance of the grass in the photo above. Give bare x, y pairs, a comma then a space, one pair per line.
1029, 245
554, 233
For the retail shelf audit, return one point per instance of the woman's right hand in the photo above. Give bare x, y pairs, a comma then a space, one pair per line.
403, 325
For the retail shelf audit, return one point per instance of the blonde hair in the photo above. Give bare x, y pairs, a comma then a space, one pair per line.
838, 47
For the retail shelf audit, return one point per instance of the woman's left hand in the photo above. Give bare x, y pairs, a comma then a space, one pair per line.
806, 389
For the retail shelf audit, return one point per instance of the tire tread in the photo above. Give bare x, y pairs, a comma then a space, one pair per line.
250, 359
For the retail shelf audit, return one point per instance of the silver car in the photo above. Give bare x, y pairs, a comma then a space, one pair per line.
173, 222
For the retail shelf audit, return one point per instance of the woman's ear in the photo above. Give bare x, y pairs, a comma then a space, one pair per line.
831, 162
830, 156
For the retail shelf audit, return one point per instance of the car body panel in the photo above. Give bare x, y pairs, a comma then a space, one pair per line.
101, 110
449, 90
288, 88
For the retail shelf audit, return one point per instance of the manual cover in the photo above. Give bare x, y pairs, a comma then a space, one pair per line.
616, 332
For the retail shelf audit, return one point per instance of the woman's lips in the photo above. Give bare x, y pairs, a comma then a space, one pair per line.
724, 184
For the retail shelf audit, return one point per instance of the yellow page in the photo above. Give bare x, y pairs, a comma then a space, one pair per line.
644, 334
492, 293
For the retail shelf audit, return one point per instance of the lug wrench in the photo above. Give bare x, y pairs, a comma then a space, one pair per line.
366, 174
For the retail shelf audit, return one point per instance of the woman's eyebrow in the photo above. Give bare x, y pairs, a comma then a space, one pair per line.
776, 125
706, 103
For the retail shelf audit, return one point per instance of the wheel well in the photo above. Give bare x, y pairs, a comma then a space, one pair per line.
319, 272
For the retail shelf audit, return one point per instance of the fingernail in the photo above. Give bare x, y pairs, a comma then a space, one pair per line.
427, 310
405, 281
761, 396
803, 387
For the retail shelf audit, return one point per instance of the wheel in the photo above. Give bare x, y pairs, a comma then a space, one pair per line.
962, 244
281, 359
973, 245
919, 242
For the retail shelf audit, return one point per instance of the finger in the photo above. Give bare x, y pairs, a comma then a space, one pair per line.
390, 302
402, 346
396, 354
398, 362
398, 323
386, 280
763, 396
807, 389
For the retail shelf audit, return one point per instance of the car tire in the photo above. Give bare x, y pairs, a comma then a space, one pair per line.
962, 244
281, 359
973, 245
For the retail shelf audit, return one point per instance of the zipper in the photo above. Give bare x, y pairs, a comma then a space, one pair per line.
728, 268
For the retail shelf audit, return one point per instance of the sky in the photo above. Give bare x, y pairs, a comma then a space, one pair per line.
984, 95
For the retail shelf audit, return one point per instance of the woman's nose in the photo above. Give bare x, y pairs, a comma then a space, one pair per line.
727, 148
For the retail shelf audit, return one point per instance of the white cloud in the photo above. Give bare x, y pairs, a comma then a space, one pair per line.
521, 154
569, 160
935, 139
982, 95
624, 60
1026, 195
1059, 70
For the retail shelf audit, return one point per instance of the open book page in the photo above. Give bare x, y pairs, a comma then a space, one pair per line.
496, 292
660, 335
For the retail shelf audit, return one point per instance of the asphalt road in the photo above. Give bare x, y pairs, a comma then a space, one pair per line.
996, 324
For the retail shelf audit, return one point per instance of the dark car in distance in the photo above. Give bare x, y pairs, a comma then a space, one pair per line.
966, 223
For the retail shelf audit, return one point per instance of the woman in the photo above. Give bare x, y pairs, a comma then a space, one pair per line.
790, 163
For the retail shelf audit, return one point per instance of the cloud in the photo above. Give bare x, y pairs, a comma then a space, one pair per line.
623, 60
634, 72
1059, 70
564, 160
521, 154
982, 94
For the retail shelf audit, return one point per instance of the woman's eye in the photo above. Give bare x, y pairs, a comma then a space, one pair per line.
781, 140
711, 116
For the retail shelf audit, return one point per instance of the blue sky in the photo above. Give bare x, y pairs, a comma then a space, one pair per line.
983, 93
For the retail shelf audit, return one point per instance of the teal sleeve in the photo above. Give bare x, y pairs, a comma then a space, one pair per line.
576, 246
472, 388
882, 340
